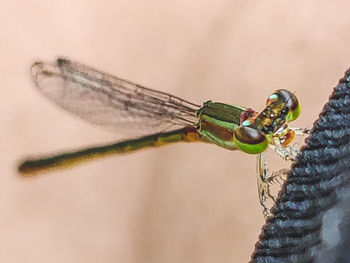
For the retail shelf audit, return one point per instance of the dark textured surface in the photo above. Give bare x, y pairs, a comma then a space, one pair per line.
312, 216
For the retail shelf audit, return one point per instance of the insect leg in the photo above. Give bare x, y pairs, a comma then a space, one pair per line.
263, 183
300, 131
288, 153
264, 180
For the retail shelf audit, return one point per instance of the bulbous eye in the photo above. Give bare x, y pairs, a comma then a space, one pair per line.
250, 140
247, 122
290, 100
271, 99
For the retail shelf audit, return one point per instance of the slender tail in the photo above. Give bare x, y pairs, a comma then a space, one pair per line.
30, 167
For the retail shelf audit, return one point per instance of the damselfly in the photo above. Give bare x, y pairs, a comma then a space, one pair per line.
160, 118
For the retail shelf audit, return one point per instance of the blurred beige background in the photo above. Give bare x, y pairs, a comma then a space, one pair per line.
181, 203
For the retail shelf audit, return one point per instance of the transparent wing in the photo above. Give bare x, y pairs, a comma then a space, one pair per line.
109, 101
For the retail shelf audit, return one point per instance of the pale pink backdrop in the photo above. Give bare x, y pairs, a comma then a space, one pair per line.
181, 203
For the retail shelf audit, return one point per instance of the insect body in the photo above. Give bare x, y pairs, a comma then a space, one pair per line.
159, 118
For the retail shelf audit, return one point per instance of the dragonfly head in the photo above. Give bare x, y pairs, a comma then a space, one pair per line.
282, 107
255, 133
284, 100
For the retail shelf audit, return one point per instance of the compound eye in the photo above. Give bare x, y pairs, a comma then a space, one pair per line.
271, 99
291, 102
250, 140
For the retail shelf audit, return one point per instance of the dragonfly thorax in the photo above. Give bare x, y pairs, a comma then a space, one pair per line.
217, 123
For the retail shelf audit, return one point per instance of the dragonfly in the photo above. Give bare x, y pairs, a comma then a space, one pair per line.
156, 118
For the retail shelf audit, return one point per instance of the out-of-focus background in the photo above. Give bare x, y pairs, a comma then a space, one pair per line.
180, 203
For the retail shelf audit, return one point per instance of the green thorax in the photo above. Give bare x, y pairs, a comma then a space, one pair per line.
217, 122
